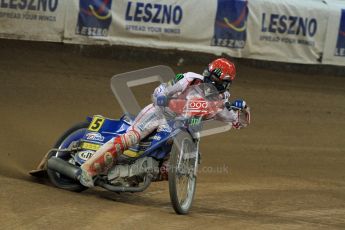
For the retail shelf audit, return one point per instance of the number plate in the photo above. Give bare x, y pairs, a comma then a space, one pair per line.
96, 123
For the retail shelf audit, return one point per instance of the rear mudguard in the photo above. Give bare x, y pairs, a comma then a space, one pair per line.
42, 166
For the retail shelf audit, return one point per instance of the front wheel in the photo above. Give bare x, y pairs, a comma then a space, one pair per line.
73, 134
182, 172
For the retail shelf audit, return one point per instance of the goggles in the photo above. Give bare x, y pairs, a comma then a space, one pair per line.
221, 85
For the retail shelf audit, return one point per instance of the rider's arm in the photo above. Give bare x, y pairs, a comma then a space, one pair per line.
227, 116
238, 113
177, 85
181, 84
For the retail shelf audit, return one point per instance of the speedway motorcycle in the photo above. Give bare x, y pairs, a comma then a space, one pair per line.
139, 166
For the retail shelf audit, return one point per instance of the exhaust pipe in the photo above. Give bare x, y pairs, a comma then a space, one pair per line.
63, 167
71, 171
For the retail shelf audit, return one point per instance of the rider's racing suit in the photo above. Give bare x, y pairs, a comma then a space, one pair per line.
148, 120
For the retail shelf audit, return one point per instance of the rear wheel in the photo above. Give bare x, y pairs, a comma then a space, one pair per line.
182, 173
72, 134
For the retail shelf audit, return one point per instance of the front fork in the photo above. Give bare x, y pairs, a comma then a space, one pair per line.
196, 138
197, 157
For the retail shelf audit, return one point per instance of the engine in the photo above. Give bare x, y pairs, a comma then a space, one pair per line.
133, 174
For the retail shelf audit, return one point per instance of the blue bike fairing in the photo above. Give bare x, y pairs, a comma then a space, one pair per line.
159, 145
156, 145
109, 129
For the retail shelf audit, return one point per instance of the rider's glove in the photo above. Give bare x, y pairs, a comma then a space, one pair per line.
238, 104
161, 100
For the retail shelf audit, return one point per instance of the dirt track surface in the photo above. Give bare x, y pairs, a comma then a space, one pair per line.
286, 171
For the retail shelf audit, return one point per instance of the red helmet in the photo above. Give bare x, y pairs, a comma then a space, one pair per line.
227, 68
221, 72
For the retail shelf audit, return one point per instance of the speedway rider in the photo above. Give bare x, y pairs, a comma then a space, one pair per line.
221, 72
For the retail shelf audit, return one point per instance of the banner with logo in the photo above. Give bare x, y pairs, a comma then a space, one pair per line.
164, 24
129, 22
287, 30
88, 21
42, 20
334, 52
309, 31
190, 25
230, 27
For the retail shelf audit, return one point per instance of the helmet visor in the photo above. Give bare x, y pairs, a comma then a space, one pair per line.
221, 85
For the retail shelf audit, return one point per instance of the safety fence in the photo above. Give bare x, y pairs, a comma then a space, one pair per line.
295, 31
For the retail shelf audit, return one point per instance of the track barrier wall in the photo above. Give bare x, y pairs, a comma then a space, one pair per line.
292, 31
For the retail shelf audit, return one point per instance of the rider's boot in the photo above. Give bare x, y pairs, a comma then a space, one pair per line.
101, 161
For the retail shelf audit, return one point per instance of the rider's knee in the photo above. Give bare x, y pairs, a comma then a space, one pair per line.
131, 138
